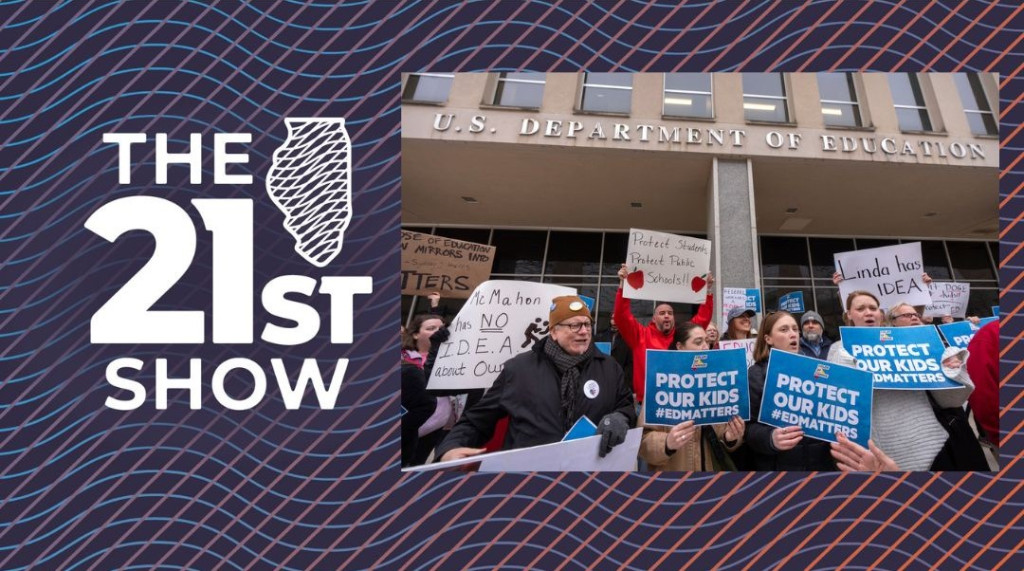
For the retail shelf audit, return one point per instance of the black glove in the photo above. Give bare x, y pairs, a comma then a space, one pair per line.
612, 429
439, 336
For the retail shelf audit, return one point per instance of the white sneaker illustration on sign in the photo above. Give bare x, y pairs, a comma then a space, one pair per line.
310, 181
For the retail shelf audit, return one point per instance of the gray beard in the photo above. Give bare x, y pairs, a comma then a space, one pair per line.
812, 337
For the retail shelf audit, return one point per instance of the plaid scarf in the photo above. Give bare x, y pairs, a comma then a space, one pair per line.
569, 367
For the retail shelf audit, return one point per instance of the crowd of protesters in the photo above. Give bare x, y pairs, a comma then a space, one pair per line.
541, 393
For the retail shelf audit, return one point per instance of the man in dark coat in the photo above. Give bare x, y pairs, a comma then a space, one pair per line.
544, 391
813, 342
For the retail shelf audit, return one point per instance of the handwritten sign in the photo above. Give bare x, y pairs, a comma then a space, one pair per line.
901, 358
948, 298
666, 267
959, 333
499, 321
821, 398
733, 297
746, 344
435, 263
892, 273
792, 302
707, 387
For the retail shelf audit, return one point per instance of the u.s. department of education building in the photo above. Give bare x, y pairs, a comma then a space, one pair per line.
779, 170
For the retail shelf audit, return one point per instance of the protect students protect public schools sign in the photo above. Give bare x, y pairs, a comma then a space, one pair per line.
435, 263
820, 398
666, 267
707, 387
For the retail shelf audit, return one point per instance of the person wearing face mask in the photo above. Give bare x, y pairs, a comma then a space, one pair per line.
769, 447
658, 334
686, 447
813, 342
544, 391
903, 422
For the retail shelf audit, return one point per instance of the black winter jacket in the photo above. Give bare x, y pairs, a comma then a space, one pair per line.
527, 392
809, 454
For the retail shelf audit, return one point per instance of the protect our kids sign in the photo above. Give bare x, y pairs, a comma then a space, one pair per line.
901, 358
707, 387
500, 320
666, 267
893, 273
959, 333
821, 398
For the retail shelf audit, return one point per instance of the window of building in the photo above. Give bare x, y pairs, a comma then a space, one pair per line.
972, 95
688, 95
428, 87
839, 105
574, 253
519, 251
519, 89
784, 257
607, 92
907, 97
764, 97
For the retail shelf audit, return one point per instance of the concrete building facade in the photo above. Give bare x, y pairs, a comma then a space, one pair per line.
780, 171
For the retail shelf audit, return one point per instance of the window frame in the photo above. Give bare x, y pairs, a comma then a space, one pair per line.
665, 91
969, 76
583, 92
409, 98
851, 80
502, 79
787, 115
914, 81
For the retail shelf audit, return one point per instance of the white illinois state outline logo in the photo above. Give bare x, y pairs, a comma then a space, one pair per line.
310, 181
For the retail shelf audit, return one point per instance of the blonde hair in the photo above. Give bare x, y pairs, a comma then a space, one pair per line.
849, 303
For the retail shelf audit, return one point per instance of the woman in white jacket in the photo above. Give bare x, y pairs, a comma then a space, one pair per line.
903, 423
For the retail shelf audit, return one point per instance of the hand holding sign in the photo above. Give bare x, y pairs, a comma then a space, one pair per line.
665, 267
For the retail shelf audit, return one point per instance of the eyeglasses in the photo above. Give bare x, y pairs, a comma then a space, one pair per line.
575, 327
907, 316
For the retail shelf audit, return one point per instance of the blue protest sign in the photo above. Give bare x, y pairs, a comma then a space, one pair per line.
590, 303
792, 302
959, 333
995, 311
820, 398
604, 347
707, 387
901, 358
583, 428
754, 299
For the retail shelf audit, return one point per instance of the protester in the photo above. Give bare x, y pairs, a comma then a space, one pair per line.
813, 341
983, 368
903, 422
425, 414
712, 335
544, 391
772, 448
686, 447
658, 334
852, 457
738, 324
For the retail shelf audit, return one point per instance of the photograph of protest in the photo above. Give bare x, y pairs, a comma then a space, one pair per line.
699, 271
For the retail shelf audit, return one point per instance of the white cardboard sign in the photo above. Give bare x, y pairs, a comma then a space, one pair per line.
892, 273
666, 267
579, 455
501, 319
948, 298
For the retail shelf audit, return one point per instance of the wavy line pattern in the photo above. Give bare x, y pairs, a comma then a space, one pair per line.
85, 486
